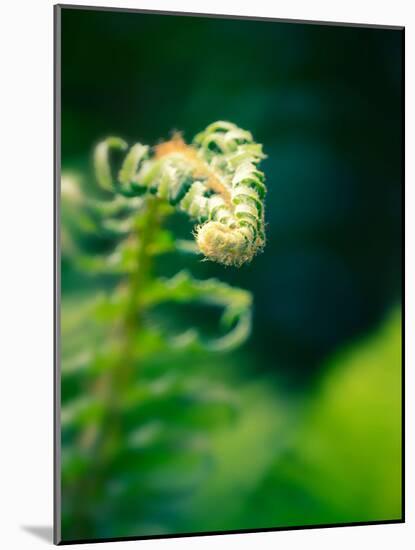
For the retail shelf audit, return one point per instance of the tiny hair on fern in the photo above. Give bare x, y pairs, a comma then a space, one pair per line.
215, 180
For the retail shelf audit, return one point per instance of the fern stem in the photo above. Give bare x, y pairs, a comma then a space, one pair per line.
104, 440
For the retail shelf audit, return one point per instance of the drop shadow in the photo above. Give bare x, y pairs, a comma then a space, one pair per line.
44, 532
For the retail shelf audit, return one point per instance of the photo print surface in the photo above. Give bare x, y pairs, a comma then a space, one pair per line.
229, 274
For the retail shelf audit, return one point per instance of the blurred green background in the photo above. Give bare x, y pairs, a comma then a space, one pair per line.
310, 429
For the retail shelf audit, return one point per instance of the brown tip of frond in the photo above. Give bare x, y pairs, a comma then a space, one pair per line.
200, 170
175, 145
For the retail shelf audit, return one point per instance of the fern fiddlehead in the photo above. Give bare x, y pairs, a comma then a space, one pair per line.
216, 181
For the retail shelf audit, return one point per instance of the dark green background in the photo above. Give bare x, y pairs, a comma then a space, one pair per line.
326, 103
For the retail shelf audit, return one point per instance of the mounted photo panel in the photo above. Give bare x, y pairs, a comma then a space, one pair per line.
229, 274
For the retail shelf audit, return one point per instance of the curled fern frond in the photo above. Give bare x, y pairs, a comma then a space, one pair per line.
125, 393
215, 180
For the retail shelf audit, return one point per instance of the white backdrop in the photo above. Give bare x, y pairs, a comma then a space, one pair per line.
26, 270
